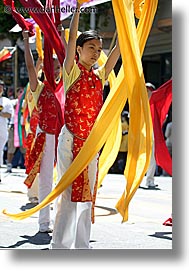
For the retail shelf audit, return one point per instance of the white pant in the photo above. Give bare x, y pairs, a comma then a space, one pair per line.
3, 140
33, 190
73, 219
152, 168
46, 180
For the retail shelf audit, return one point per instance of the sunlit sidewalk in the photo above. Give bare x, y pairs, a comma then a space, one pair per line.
144, 229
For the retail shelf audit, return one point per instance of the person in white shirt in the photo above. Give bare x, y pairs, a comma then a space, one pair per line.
6, 111
11, 145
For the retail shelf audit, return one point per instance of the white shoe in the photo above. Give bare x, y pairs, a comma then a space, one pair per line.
9, 168
34, 200
150, 184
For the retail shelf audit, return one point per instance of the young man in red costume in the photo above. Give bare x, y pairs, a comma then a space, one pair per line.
83, 87
42, 156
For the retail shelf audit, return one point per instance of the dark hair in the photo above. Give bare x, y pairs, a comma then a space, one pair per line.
86, 36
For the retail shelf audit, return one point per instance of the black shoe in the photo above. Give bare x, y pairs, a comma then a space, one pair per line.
47, 231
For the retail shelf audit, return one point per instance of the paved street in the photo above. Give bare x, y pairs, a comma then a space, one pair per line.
144, 229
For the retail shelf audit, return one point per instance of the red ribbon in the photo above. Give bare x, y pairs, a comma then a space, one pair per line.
160, 102
48, 28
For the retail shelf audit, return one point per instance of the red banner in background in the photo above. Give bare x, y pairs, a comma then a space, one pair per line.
6, 53
160, 102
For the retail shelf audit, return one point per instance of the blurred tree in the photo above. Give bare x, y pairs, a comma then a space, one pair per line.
101, 9
7, 22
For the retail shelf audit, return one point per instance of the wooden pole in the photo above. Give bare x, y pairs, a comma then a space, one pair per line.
92, 20
113, 41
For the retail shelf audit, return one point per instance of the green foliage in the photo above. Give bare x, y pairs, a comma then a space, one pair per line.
7, 22
102, 9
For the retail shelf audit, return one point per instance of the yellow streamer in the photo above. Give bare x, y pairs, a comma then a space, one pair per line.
140, 126
107, 158
39, 47
138, 6
128, 84
83, 1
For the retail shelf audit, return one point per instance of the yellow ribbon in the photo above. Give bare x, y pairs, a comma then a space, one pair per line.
138, 5
39, 47
83, 1
132, 43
